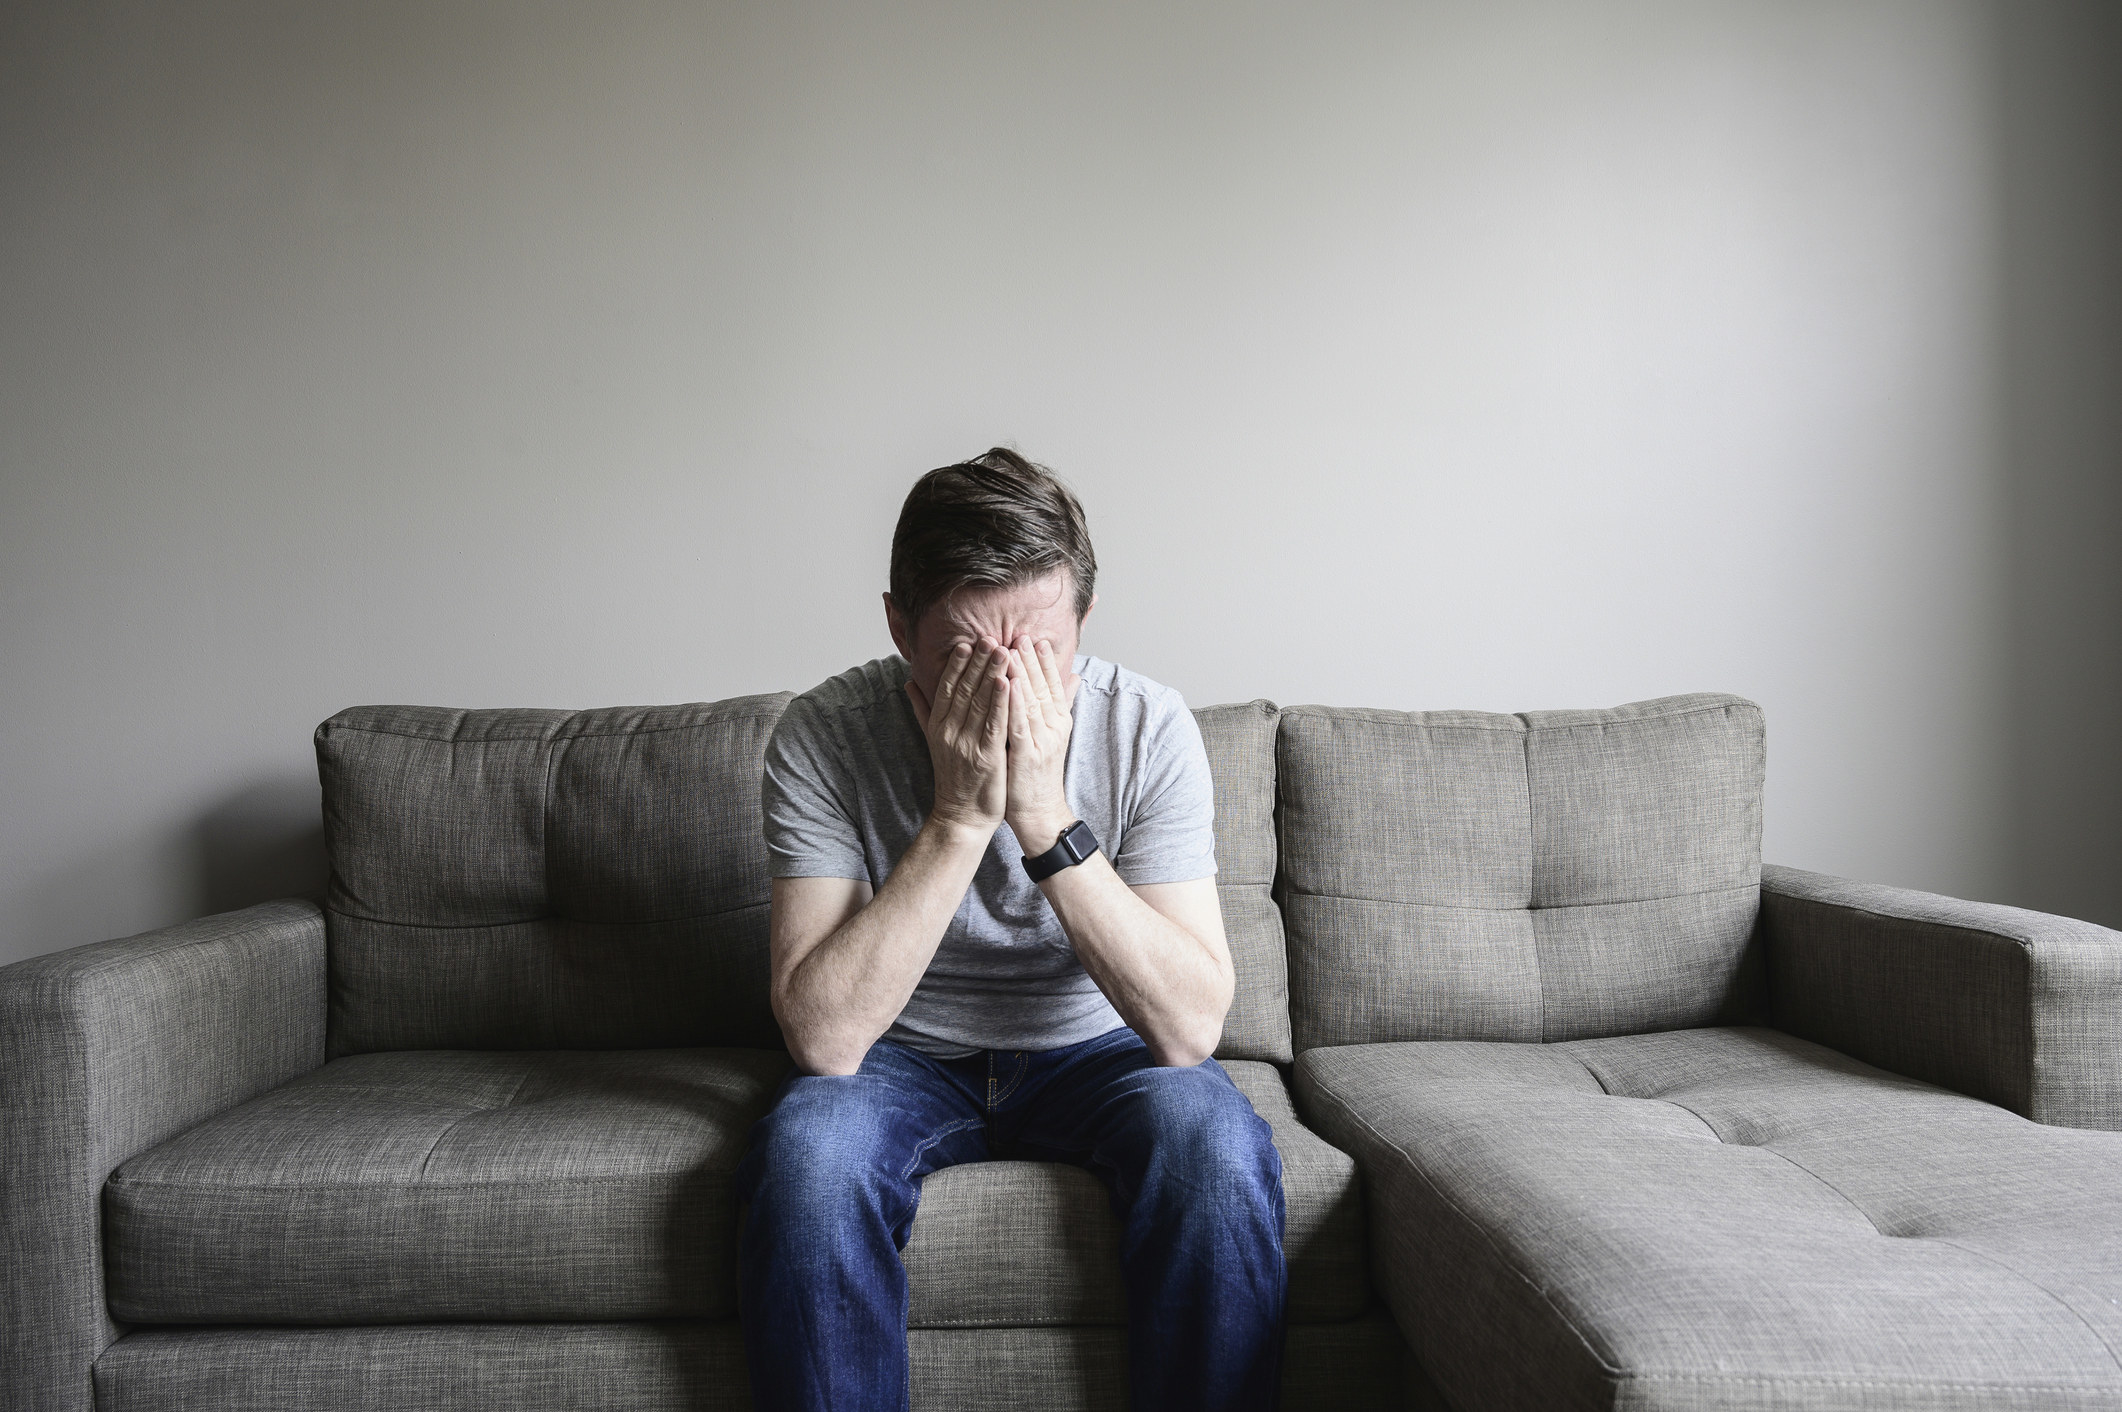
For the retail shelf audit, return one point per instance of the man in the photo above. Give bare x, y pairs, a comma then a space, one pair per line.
996, 934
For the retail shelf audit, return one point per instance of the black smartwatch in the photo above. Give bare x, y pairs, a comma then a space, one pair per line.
1077, 843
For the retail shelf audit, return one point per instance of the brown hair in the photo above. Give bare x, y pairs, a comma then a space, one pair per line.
993, 521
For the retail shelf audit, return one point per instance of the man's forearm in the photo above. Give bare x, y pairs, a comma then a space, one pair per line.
1165, 982
851, 986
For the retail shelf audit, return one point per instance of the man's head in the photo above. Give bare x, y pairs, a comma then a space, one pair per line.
992, 547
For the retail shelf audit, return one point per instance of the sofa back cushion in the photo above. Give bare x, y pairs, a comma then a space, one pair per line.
1547, 876
1241, 757
525, 879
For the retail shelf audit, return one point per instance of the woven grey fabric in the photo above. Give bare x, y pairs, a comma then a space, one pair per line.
1001, 1370
519, 879
662, 1367
1241, 757
666, 1367
428, 1185
538, 879
1553, 875
1354, 1366
106, 1050
1725, 1219
1035, 1243
2016, 1007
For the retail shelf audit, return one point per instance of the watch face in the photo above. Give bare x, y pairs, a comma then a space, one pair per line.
1079, 841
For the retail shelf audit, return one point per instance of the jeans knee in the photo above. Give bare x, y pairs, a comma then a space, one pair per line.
1207, 1133
821, 1154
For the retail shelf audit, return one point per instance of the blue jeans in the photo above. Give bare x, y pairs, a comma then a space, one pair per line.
833, 1176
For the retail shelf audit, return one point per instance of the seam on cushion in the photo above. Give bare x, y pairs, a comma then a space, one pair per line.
2013, 1270
401, 1186
547, 739
1692, 1113
2025, 944
1381, 715
1718, 1134
1105, 1322
1601, 1082
1557, 907
552, 917
754, 715
1829, 1380
439, 739
1532, 866
916, 1323
1869, 1219
1598, 1359
1721, 708
453, 1124
1523, 725
549, 973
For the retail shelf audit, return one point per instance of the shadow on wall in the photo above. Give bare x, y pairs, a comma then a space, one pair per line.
263, 842
2058, 74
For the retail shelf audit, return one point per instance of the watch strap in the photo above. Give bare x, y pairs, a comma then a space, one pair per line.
1076, 844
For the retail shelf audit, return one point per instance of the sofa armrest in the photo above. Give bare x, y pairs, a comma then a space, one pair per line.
105, 1051
2019, 1008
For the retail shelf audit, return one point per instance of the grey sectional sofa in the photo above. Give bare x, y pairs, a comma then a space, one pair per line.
1579, 1105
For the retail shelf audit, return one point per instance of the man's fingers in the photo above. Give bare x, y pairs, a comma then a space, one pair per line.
998, 707
1074, 681
969, 700
1020, 700
1055, 674
1035, 679
919, 699
953, 679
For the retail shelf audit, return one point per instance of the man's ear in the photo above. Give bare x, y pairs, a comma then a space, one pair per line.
896, 625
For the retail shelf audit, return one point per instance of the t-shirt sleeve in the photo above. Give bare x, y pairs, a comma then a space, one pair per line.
807, 796
1171, 835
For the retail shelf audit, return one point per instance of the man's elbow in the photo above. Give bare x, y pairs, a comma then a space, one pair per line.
1196, 1038
830, 1066
815, 1052
823, 1056
1189, 1047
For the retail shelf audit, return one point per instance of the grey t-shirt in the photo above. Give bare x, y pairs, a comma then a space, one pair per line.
848, 785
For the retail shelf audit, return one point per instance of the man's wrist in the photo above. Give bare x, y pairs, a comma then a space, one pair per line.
953, 832
1038, 832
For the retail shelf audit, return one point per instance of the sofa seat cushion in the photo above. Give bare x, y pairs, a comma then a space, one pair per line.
559, 1184
1025, 1243
1725, 1218
448, 1184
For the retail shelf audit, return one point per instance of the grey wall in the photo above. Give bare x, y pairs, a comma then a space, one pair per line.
1496, 355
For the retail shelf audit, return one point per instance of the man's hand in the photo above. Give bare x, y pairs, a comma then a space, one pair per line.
966, 726
1042, 693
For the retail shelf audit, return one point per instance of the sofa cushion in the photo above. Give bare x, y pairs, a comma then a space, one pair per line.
1240, 740
1011, 1243
673, 1366
410, 1186
522, 879
1547, 876
437, 1185
1725, 1219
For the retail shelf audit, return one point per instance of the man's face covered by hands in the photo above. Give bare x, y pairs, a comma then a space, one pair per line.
993, 689
1020, 616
